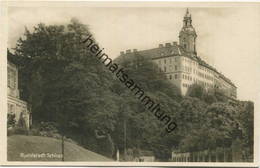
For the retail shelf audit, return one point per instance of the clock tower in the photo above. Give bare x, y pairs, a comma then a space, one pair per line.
187, 35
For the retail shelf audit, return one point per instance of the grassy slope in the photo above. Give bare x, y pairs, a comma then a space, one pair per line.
18, 144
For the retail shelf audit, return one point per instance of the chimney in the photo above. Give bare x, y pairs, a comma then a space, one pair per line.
160, 45
122, 52
167, 44
135, 50
175, 43
128, 51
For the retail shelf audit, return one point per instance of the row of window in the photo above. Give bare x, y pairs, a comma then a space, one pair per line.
190, 62
206, 84
186, 85
205, 69
202, 83
187, 69
202, 75
169, 60
175, 76
205, 76
186, 77
165, 68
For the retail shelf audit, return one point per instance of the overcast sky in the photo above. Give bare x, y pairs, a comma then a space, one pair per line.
228, 38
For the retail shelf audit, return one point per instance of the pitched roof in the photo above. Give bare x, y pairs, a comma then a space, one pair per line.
163, 51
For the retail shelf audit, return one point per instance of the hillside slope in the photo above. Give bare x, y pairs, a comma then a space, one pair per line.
37, 148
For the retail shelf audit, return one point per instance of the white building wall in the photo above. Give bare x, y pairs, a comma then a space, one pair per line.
189, 71
15, 105
171, 66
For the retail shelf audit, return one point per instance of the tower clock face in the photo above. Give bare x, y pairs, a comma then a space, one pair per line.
188, 35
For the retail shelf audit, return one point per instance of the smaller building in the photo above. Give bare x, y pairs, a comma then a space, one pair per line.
16, 107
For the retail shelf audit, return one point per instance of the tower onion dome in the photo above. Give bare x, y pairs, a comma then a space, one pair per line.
187, 24
187, 36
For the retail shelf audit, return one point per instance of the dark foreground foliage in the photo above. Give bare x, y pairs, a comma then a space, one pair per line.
67, 86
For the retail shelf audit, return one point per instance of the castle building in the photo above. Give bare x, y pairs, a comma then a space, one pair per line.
16, 106
181, 64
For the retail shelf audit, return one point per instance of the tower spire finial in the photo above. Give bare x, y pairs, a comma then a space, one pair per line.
188, 35
187, 13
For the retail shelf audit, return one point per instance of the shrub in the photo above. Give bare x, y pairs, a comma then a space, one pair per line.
34, 132
48, 127
21, 131
17, 131
45, 129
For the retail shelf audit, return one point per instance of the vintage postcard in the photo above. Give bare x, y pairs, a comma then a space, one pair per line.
130, 83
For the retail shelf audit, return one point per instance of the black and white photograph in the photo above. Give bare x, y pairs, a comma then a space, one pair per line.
130, 82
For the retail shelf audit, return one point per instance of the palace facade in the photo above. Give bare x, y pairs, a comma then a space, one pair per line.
181, 64
16, 106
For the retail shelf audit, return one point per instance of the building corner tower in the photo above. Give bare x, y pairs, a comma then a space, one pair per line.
187, 35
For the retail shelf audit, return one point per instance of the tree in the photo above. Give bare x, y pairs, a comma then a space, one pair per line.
141, 122
192, 124
245, 118
196, 90
62, 80
221, 123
